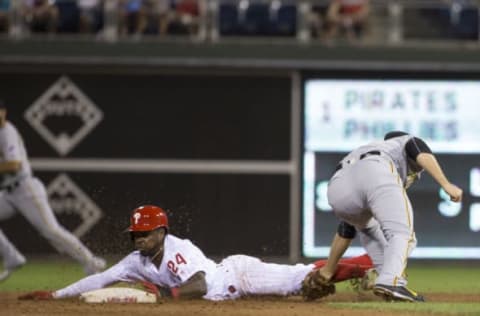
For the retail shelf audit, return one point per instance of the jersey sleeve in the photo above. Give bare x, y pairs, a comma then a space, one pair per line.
123, 271
415, 146
11, 145
185, 261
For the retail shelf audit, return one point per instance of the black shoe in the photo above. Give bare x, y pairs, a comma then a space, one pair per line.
397, 293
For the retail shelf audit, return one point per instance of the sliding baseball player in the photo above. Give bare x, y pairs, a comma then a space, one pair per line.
175, 267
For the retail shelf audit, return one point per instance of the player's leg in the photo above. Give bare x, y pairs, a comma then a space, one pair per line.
32, 201
359, 260
346, 196
12, 258
392, 208
348, 268
347, 271
373, 240
256, 277
394, 213
365, 260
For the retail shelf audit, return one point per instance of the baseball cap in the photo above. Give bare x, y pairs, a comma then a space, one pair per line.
393, 134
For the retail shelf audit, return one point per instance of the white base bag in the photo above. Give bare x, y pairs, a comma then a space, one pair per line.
118, 295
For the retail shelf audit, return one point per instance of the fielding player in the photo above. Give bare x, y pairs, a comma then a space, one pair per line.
21, 192
368, 192
175, 267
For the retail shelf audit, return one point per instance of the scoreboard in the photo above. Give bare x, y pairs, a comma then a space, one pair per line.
342, 114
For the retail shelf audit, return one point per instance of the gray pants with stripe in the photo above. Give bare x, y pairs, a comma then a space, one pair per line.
369, 195
31, 200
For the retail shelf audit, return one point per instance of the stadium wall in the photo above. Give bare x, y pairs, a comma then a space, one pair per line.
208, 131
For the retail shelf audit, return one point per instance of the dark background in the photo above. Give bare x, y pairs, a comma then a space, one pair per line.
186, 100
171, 116
167, 116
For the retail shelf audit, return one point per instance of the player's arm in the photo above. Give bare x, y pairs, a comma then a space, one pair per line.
11, 166
93, 282
342, 240
117, 273
431, 165
11, 147
194, 287
418, 150
90, 283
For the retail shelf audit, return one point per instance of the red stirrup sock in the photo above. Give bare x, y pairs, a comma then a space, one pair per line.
319, 263
361, 260
347, 271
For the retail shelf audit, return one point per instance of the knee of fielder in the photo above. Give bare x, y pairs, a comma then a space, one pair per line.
400, 232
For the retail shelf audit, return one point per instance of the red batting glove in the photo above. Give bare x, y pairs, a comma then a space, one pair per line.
37, 295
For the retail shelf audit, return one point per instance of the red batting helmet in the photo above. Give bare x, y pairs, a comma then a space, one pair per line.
147, 218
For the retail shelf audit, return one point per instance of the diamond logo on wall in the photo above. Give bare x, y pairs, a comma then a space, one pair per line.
63, 115
72, 204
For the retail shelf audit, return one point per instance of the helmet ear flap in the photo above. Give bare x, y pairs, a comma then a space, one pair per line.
145, 233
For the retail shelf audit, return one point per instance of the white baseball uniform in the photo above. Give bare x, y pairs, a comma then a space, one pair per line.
234, 277
22, 192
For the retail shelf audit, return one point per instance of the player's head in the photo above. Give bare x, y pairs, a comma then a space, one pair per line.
147, 218
148, 227
394, 134
3, 113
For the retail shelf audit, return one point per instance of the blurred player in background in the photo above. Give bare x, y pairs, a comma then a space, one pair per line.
21, 192
174, 267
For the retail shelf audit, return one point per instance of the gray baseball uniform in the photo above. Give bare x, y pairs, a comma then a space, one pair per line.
368, 192
21, 192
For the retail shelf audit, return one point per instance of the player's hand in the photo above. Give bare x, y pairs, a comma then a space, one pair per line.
37, 295
454, 192
316, 286
325, 273
150, 287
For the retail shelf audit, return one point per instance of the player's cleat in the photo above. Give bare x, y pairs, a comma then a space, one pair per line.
11, 267
96, 265
368, 280
397, 293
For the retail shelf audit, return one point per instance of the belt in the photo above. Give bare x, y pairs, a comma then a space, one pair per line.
364, 155
9, 188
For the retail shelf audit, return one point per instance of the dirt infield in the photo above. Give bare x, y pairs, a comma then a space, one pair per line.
267, 306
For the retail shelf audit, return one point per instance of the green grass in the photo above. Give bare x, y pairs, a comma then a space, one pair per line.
423, 309
430, 279
446, 279
44, 274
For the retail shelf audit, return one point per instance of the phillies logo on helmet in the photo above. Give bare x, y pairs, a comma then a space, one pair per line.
137, 216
